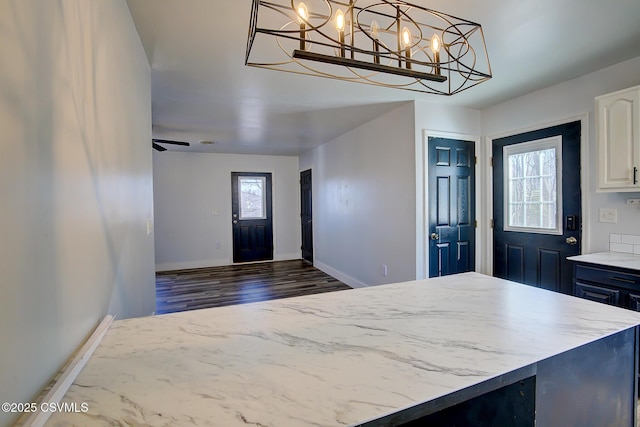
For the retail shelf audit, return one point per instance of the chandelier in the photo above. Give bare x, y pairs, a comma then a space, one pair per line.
380, 42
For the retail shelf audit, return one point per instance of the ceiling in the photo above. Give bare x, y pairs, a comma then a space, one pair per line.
201, 89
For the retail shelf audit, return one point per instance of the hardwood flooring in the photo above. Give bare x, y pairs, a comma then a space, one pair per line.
192, 289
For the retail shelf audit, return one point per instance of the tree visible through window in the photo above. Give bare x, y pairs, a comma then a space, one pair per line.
252, 197
532, 178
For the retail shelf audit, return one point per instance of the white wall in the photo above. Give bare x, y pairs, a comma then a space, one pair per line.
75, 181
189, 186
364, 201
570, 99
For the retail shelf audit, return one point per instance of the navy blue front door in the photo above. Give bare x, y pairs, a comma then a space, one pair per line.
537, 206
252, 221
451, 206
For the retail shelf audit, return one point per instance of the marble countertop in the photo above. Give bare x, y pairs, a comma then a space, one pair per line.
611, 259
339, 358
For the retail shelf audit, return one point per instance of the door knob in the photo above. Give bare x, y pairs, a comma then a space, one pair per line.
571, 240
435, 236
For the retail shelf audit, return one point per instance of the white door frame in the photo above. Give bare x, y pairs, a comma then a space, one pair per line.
422, 199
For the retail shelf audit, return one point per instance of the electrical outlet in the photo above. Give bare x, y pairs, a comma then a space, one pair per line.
609, 215
215, 212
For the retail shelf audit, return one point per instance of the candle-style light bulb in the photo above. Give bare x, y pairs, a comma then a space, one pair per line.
375, 33
435, 44
303, 13
375, 30
435, 48
340, 20
340, 23
405, 38
303, 16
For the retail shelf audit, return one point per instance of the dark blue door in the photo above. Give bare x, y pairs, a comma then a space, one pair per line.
306, 215
452, 225
252, 216
537, 206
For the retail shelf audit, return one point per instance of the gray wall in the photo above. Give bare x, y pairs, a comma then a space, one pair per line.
364, 201
188, 187
75, 181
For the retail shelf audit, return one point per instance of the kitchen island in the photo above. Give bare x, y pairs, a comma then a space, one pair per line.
383, 355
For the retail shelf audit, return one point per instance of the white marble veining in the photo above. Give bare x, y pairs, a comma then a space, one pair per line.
611, 259
330, 359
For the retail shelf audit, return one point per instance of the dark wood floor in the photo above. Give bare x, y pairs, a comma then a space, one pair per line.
181, 290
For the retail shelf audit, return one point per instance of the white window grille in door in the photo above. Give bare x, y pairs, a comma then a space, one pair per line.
533, 186
252, 197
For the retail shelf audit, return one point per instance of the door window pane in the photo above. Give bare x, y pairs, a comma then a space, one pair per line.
252, 197
533, 187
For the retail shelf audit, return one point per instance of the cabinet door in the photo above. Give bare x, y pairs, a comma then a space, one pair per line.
597, 293
618, 129
634, 303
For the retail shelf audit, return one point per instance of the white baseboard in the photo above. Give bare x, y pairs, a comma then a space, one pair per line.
344, 278
68, 375
287, 257
169, 266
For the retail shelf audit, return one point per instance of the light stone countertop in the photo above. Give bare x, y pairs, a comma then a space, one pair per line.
610, 259
330, 359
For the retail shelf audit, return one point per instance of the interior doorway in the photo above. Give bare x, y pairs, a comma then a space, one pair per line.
452, 219
306, 215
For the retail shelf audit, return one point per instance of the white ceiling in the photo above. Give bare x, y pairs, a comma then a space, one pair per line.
201, 89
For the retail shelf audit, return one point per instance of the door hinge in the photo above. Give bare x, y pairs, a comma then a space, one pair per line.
476, 223
476, 159
491, 161
491, 223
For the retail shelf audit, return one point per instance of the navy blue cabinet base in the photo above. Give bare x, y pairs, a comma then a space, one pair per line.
609, 285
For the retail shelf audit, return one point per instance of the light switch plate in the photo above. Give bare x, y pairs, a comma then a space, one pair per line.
609, 215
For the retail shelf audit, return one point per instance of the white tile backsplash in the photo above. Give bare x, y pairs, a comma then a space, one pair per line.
631, 240
625, 243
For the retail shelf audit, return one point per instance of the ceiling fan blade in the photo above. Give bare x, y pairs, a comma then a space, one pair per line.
166, 141
158, 147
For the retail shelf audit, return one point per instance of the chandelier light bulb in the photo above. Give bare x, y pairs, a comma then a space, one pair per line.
340, 21
435, 44
405, 37
375, 30
303, 13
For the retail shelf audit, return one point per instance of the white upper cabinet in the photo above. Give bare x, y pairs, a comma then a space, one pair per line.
618, 130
